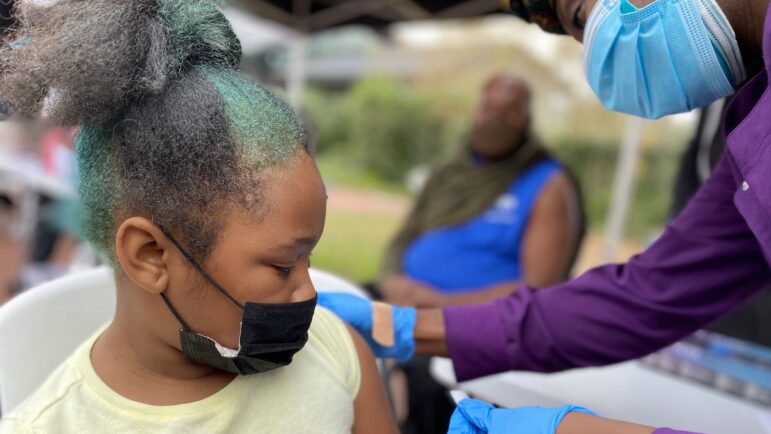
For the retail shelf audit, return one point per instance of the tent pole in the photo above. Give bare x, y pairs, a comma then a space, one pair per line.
296, 73
623, 188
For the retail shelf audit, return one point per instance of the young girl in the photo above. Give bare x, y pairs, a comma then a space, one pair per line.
197, 188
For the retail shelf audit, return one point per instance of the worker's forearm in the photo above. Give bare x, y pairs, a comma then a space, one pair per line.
581, 423
482, 295
429, 332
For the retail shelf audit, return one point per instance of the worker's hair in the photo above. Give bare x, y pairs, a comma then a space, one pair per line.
169, 129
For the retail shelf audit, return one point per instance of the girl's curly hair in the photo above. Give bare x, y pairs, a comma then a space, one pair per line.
169, 129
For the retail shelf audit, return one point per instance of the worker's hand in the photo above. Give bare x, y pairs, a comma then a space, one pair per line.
357, 311
476, 417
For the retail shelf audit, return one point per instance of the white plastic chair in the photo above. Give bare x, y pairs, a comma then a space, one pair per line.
325, 281
41, 327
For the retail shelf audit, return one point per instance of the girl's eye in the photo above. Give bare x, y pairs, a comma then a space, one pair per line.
283, 271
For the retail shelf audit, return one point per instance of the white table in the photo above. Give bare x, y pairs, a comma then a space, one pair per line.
627, 391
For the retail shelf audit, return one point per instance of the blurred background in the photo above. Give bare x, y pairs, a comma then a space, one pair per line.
385, 105
387, 91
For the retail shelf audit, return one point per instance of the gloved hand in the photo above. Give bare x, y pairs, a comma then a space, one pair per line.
477, 417
357, 312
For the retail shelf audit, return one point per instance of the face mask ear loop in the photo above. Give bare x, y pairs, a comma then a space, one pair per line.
174, 312
199, 268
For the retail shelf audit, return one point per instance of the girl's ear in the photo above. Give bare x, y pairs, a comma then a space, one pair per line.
144, 253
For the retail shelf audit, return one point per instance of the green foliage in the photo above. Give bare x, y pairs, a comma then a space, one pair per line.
327, 116
382, 126
594, 165
337, 170
395, 126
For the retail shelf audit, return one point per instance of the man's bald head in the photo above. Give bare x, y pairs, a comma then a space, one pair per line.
502, 117
507, 85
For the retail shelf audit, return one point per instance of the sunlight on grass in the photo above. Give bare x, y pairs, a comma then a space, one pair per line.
353, 244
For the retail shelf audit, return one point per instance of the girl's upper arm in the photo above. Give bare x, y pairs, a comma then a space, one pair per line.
372, 412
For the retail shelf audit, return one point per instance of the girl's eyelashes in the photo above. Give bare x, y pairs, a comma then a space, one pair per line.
284, 271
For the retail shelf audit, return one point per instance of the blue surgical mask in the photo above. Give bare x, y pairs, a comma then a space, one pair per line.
671, 56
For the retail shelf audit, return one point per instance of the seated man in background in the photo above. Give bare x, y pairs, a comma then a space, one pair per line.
502, 214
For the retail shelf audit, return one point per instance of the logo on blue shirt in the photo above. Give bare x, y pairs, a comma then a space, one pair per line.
504, 210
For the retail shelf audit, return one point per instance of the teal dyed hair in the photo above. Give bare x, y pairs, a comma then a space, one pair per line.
271, 123
169, 129
197, 29
99, 187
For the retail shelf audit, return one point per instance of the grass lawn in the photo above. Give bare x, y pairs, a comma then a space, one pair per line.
353, 243
337, 170
355, 235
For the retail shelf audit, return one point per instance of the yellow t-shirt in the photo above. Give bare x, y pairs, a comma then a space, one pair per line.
314, 394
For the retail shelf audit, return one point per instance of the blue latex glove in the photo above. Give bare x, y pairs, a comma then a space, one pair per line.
477, 417
357, 312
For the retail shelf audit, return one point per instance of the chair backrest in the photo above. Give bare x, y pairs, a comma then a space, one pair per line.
41, 327
325, 281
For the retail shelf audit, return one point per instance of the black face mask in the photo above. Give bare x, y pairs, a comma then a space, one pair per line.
270, 333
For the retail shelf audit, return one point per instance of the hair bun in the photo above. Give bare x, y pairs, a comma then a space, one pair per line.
87, 61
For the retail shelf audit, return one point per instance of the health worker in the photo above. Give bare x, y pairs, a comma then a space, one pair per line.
649, 58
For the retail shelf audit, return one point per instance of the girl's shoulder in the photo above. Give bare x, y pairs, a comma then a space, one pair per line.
330, 340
